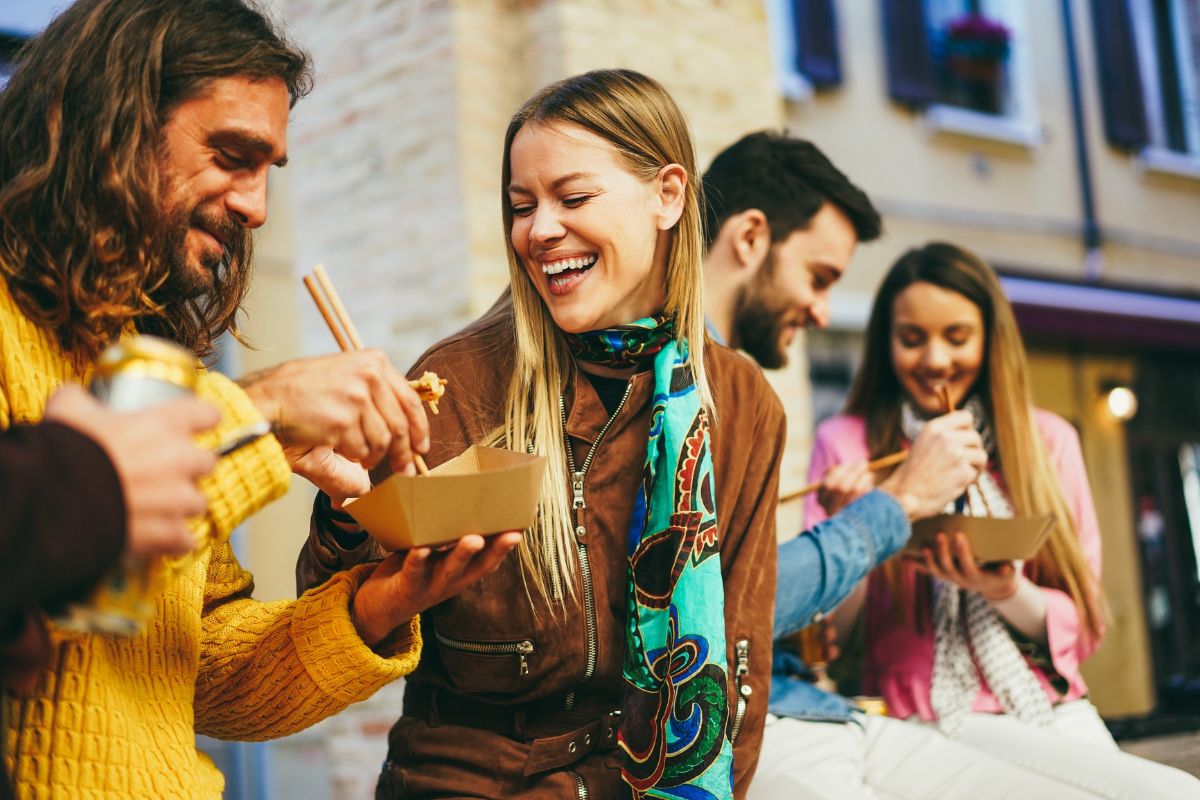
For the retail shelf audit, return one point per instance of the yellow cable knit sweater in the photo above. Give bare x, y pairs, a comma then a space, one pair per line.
114, 717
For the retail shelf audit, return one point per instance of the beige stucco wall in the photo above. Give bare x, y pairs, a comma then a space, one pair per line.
1017, 206
1149, 219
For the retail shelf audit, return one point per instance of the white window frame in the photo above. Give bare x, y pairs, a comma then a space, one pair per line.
1156, 157
1020, 125
781, 20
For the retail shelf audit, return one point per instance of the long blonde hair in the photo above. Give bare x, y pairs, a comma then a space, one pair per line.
1003, 386
641, 121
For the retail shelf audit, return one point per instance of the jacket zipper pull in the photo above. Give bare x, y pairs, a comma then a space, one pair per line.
524, 649
742, 650
577, 491
578, 505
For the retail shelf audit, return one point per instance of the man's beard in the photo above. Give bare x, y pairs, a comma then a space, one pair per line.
760, 317
187, 281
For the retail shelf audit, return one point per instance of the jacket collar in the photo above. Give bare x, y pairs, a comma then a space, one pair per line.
586, 415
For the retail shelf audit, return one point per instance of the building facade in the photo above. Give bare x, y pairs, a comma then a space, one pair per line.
1059, 141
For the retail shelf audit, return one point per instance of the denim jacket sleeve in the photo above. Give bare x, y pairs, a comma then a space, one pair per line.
818, 568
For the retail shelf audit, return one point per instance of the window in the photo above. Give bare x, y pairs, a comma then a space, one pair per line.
966, 62
1150, 79
1167, 33
806, 47
970, 52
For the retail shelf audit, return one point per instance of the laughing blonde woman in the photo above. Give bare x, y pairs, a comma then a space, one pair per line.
627, 650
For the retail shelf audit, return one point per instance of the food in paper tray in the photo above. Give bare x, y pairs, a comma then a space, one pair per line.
992, 538
482, 490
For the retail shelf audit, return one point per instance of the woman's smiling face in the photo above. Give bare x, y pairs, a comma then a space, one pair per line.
937, 339
592, 235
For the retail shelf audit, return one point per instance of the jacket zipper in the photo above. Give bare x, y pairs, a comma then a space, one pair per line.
522, 649
581, 790
742, 652
578, 504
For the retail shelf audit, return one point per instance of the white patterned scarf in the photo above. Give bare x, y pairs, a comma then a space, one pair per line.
971, 643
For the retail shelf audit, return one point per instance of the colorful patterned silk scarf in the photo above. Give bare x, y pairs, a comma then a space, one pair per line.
675, 713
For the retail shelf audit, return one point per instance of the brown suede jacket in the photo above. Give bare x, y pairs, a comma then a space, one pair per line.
502, 704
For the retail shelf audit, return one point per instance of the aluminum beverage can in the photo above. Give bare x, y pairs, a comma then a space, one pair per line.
136, 373
143, 371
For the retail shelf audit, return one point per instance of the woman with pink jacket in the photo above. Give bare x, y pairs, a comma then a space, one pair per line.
990, 653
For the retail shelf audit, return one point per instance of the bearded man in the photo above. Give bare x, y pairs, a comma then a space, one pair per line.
135, 141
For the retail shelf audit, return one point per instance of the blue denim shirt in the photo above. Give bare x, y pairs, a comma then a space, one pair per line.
817, 570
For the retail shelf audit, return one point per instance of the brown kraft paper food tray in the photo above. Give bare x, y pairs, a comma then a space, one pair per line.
483, 490
992, 538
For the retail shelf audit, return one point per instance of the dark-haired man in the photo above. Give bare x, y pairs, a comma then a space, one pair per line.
783, 224
135, 141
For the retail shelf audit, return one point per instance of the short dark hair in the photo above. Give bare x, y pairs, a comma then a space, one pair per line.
80, 132
788, 180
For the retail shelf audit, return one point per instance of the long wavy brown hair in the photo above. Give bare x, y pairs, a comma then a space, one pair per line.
83, 233
1003, 386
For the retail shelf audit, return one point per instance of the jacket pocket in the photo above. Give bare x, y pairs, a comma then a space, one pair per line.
477, 666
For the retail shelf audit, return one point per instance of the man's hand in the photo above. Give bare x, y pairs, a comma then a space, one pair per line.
953, 560
406, 583
333, 413
338, 477
156, 461
842, 484
945, 458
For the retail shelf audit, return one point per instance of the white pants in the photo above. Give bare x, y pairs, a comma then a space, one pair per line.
995, 757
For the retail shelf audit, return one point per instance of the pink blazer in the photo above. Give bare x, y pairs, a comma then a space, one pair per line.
899, 660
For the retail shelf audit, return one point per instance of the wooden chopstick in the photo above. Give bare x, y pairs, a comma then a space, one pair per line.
948, 406
944, 394
338, 308
327, 313
338, 320
883, 462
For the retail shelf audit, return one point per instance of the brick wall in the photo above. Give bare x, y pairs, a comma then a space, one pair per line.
376, 189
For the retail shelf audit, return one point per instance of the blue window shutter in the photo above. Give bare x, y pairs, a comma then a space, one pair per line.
910, 75
1120, 79
818, 55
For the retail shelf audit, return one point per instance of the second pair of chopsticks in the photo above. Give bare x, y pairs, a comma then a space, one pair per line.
340, 324
880, 463
948, 406
883, 462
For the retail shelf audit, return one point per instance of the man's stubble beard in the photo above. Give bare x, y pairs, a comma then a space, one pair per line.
187, 281
760, 317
